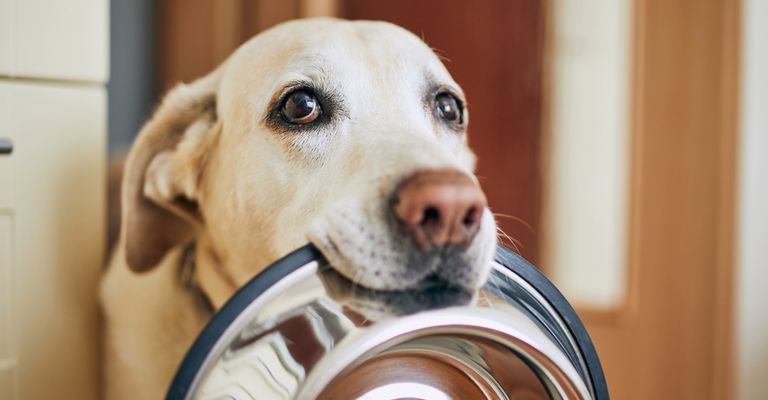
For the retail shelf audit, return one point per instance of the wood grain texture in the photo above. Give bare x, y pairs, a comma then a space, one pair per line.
494, 51
196, 35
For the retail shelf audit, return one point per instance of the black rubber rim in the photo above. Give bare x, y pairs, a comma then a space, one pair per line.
535, 278
219, 323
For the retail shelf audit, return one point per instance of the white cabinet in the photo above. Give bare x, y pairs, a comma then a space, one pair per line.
55, 39
53, 67
51, 239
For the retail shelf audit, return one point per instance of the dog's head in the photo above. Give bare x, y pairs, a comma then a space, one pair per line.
351, 135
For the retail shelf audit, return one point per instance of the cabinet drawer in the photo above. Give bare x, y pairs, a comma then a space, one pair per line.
5, 37
54, 39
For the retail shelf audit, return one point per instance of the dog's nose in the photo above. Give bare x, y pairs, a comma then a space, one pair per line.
438, 207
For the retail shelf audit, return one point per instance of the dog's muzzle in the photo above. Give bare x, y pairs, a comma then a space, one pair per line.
299, 330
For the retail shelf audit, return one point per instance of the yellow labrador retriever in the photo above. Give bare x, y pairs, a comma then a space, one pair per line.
349, 135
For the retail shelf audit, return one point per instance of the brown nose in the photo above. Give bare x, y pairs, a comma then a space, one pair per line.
438, 207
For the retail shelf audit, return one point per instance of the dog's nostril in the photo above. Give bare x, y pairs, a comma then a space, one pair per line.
439, 207
431, 216
470, 218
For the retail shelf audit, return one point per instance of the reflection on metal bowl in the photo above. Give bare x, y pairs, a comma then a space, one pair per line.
299, 330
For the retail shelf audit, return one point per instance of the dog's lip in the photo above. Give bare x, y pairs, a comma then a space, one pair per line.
433, 281
435, 294
430, 282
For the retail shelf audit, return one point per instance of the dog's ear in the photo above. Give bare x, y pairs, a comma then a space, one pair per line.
163, 170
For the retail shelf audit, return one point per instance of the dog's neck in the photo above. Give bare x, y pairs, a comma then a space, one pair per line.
208, 275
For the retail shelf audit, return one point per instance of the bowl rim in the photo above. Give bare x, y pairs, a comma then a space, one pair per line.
196, 356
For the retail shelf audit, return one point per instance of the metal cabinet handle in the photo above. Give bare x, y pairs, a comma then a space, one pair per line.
6, 146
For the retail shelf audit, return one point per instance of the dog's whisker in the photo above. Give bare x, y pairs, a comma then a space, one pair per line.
516, 244
516, 219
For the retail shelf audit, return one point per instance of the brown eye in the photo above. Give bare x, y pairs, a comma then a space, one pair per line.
448, 108
301, 107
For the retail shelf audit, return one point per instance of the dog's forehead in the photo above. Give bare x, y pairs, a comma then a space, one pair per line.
365, 54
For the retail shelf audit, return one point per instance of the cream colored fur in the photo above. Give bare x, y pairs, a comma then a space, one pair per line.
210, 167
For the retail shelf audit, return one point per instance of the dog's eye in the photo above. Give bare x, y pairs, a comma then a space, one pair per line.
300, 107
448, 107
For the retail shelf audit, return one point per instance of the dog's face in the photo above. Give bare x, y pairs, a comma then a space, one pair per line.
351, 135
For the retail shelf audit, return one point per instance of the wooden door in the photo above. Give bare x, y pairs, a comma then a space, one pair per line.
672, 339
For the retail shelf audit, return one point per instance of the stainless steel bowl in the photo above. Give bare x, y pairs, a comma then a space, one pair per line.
299, 330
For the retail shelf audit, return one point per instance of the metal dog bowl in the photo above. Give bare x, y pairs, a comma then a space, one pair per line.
301, 331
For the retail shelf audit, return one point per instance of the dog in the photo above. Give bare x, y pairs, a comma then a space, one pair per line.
351, 135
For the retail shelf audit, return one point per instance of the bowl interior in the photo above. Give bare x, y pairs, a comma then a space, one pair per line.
440, 367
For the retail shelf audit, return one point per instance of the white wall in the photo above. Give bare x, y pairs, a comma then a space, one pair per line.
752, 291
587, 152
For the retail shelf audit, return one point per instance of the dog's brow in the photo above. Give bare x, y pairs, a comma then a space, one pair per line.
308, 69
313, 66
434, 85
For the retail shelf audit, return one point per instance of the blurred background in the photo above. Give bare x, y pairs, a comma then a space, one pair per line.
620, 145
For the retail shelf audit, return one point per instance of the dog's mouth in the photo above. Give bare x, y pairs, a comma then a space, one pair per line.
433, 281
431, 292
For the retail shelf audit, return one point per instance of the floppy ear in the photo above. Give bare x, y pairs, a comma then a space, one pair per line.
162, 173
